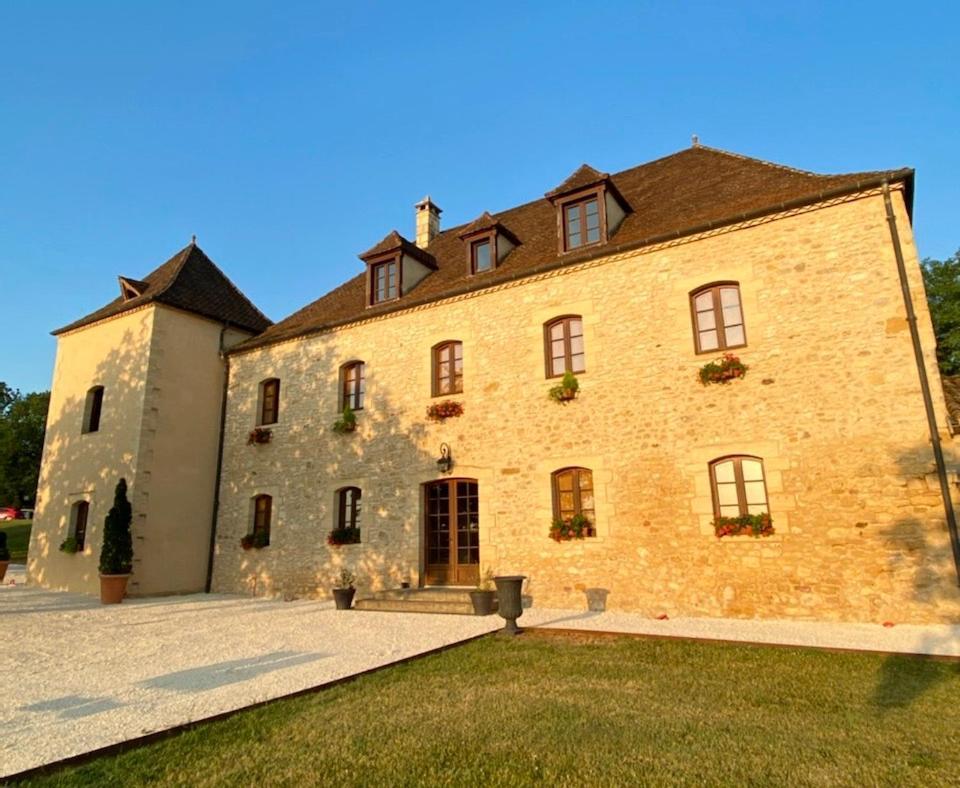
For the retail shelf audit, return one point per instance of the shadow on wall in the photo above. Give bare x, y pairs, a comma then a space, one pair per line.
86, 466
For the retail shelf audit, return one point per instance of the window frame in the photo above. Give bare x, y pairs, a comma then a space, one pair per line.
92, 410
489, 238
567, 349
372, 268
581, 199
742, 504
359, 386
576, 471
355, 510
261, 515
436, 360
78, 525
272, 385
721, 328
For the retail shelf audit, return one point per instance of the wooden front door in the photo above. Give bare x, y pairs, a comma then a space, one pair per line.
452, 532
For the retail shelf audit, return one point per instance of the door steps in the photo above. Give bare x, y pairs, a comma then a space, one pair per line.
454, 601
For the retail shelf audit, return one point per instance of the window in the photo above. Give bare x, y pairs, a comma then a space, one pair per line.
269, 401
383, 281
352, 385
738, 486
78, 523
92, 409
573, 495
581, 223
262, 511
717, 317
481, 256
563, 339
348, 507
448, 368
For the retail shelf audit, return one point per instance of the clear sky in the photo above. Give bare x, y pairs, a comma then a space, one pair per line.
292, 136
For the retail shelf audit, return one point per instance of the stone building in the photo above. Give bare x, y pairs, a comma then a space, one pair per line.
808, 448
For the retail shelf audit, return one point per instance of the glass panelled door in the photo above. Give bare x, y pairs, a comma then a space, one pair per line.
452, 532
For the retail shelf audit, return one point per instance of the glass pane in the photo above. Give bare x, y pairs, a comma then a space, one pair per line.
593, 235
735, 336
577, 363
708, 340
573, 213
706, 320
731, 316
592, 208
729, 296
481, 252
729, 511
576, 327
752, 470
556, 331
565, 481
576, 344
557, 366
586, 480
704, 301
758, 508
727, 494
573, 240
723, 471
586, 500
755, 492
556, 348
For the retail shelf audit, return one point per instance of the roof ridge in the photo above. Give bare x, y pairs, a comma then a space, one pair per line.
229, 281
774, 164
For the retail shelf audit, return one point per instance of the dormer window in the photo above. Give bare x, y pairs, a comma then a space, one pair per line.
384, 281
581, 223
481, 258
131, 288
394, 267
589, 209
487, 243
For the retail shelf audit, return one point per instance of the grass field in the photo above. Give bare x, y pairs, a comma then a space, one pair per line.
18, 539
583, 710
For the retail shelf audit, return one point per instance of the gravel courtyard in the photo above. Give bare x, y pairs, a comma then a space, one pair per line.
82, 676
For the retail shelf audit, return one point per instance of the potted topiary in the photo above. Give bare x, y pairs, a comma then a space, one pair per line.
116, 555
4, 555
347, 421
344, 591
482, 597
566, 390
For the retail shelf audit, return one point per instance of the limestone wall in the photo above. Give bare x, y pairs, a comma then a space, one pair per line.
831, 403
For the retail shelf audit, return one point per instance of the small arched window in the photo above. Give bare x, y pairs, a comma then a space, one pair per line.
78, 523
448, 368
717, 317
352, 385
738, 485
573, 495
563, 344
269, 401
262, 514
348, 507
92, 409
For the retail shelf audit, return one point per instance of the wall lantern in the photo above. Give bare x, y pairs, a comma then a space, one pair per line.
445, 463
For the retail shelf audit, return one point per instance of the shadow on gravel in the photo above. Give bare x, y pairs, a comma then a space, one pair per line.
71, 707
219, 674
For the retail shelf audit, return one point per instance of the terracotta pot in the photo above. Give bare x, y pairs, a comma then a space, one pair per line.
113, 588
3, 569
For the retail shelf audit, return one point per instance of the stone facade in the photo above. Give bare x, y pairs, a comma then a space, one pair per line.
831, 403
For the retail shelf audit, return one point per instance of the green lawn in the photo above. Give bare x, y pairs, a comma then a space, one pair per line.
583, 711
18, 539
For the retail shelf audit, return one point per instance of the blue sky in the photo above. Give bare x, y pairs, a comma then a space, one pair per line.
292, 136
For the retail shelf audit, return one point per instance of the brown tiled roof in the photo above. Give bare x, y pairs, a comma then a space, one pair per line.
190, 281
394, 242
486, 222
686, 192
951, 393
584, 176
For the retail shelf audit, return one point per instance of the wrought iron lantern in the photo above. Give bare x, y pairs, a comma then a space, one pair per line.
445, 463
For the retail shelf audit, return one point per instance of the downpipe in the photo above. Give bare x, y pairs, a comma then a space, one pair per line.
216, 490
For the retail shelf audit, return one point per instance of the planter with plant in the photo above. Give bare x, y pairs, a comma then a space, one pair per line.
566, 390
347, 421
69, 546
4, 555
483, 596
344, 590
259, 435
724, 369
340, 536
441, 411
255, 541
755, 525
576, 527
116, 555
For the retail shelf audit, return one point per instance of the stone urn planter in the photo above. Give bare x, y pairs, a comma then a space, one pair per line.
113, 588
483, 601
344, 591
509, 589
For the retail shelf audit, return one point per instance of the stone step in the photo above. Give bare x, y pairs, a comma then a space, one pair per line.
454, 601
438, 593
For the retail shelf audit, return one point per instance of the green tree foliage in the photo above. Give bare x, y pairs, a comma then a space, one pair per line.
942, 280
116, 555
23, 420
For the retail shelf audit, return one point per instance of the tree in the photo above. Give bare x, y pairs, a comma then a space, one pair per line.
23, 422
116, 555
942, 281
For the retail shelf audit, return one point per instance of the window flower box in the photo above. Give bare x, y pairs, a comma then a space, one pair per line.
254, 541
441, 411
576, 527
341, 536
726, 368
566, 390
259, 435
755, 525
69, 546
347, 422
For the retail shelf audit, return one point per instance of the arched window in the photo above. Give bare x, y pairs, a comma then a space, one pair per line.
573, 495
448, 368
563, 344
352, 385
738, 485
78, 523
269, 401
92, 409
717, 317
348, 507
262, 513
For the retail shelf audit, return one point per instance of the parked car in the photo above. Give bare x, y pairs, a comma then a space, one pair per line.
10, 513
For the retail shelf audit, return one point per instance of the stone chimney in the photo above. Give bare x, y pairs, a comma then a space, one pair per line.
428, 221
